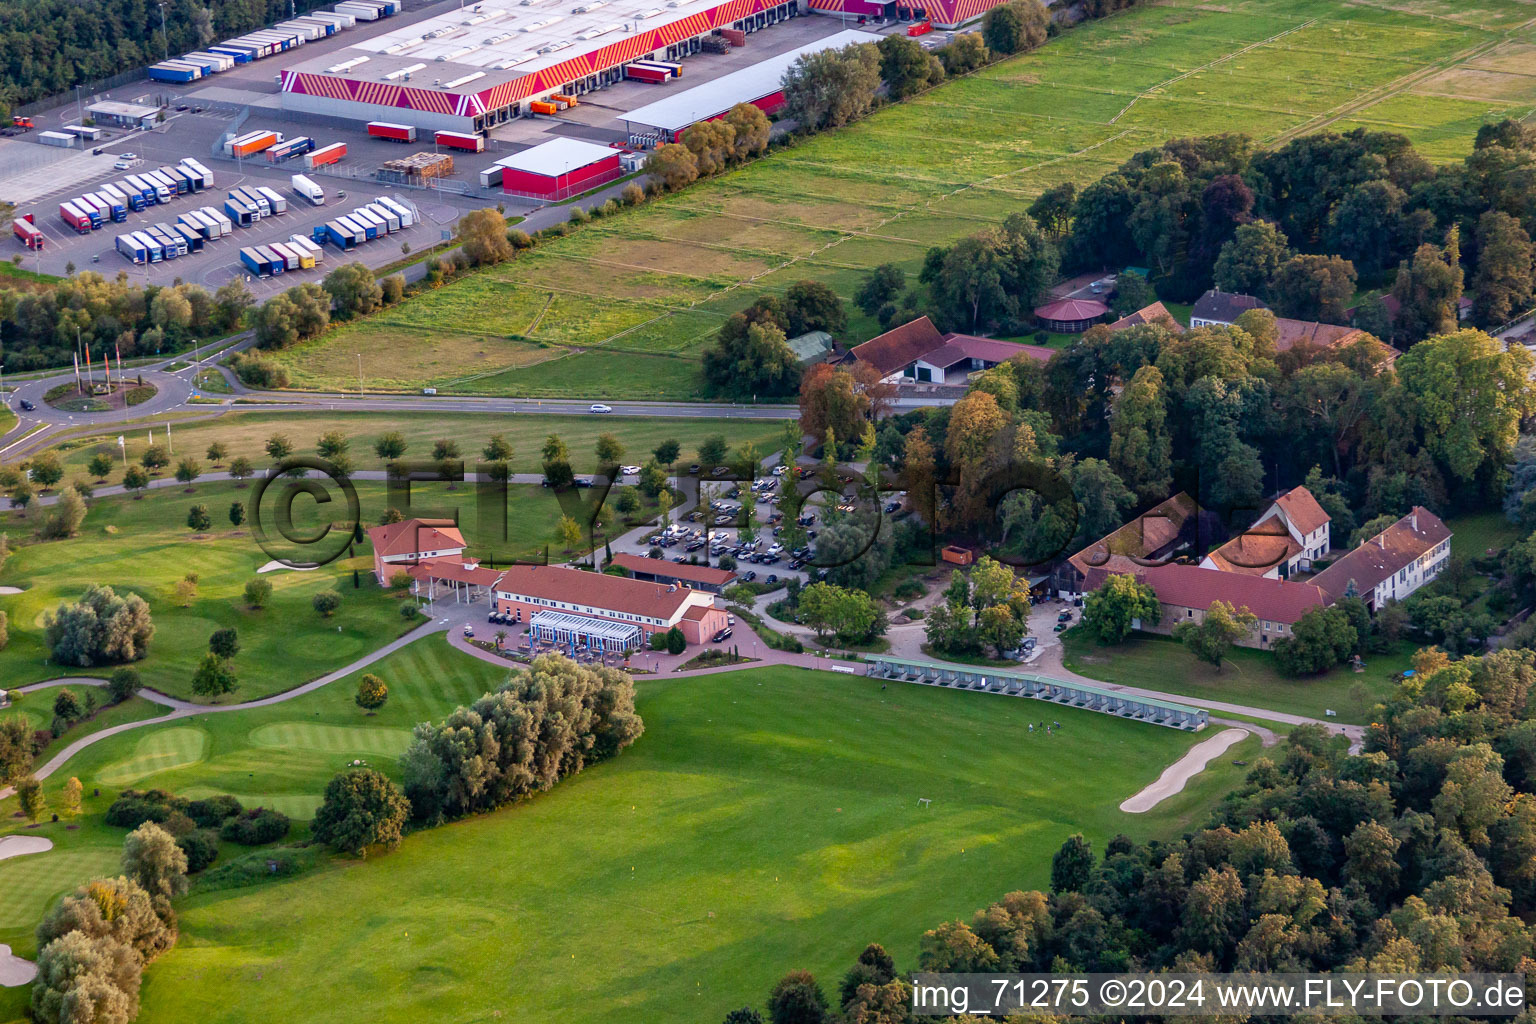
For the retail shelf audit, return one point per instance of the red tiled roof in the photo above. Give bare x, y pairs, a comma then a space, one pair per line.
698, 612
1256, 550
1071, 309
595, 590
1189, 586
1142, 537
676, 570
1156, 313
967, 346
1302, 509
1312, 332
454, 569
899, 346
410, 536
1391, 550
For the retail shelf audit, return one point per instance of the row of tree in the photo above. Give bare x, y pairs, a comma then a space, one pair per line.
751, 357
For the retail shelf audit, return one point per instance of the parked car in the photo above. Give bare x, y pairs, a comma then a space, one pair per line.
771, 578
629, 470
693, 470
723, 635
722, 470
1065, 616
599, 407
469, 630
748, 576
892, 506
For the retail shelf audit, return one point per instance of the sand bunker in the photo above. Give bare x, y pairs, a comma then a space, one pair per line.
1176, 775
14, 970
11, 590
17, 846
274, 566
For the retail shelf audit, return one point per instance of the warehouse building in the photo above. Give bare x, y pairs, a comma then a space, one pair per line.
759, 85
468, 70
559, 169
115, 114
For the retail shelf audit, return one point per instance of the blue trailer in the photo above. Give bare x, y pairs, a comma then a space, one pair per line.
193, 240
175, 179
239, 214
147, 191
198, 178
164, 188
173, 71
155, 250
255, 262
130, 195
115, 207
337, 234
131, 247
241, 54
290, 148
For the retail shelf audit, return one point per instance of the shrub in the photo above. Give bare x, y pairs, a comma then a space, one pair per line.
256, 372
201, 847
362, 808
409, 611
133, 808
632, 195
257, 591
213, 811
326, 602
256, 827
519, 238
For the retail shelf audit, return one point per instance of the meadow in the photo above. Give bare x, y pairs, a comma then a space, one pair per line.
246, 434
143, 546
622, 307
767, 819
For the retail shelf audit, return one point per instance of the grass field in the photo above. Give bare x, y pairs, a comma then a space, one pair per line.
246, 433
1246, 676
623, 306
144, 546
767, 819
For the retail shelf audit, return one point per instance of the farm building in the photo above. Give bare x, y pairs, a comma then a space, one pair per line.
1070, 316
468, 70
759, 85
559, 169
917, 352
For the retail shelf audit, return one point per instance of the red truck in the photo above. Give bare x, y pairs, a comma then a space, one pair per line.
461, 140
397, 132
325, 155
23, 228
922, 28
646, 73
75, 218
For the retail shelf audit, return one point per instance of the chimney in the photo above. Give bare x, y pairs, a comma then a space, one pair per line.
1415, 520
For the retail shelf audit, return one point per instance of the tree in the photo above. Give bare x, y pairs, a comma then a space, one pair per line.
354, 290
568, 532
1505, 280
747, 1015
100, 466
712, 449
751, 129
240, 468
332, 444
498, 449
277, 323
712, 143
67, 705
230, 302
999, 627
135, 479
829, 88
236, 513
653, 479
152, 859
257, 592
1251, 259
217, 452
187, 471
1110, 611
16, 749
993, 276
155, 457
213, 677
80, 978
1310, 287
100, 628
278, 447
482, 234
69, 798
65, 517
1015, 27
198, 519
1428, 288
812, 306
907, 68
371, 692
885, 282
389, 445
21, 493
668, 451
1052, 210
47, 470
797, 999
1213, 636
361, 808
609, 449
326, 602
1468, 394
224, 642
1072, 864
965, 53
1319, 640
674, 165
751, 359
123, 684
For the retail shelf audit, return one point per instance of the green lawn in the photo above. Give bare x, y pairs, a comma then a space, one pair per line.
246, 433
1475, 534
1246, 677
624, 305
37, 708
768, 819
144, 546
7, 420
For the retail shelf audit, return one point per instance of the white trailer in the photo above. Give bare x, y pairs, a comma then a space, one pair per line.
407, 219
308, 190
274, 198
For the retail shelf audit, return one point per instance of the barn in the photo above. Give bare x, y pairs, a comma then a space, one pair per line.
559, 169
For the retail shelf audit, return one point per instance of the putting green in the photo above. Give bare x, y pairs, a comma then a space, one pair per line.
332, 739
159, 751
29, 884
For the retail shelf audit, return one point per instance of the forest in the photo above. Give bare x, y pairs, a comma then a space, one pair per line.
50, 46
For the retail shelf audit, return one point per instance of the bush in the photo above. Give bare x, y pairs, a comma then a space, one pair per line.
256, 827
101, 628
632, 195
257, 592
201, 847
519, 238
213, 811
256, 372
133, 808
409, 611
123, 684
326, 602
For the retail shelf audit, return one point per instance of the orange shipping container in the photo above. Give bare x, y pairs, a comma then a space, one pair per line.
569, 101
540, 107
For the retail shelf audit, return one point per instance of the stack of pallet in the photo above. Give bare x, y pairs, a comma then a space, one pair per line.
422, 165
